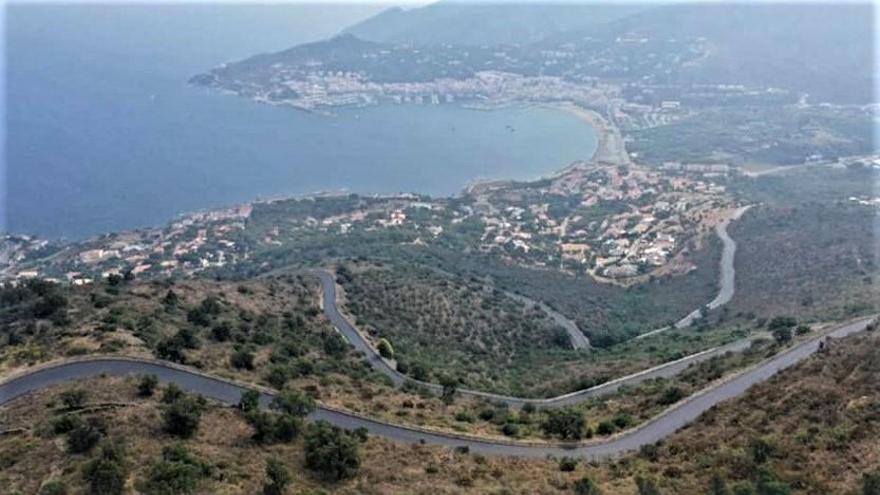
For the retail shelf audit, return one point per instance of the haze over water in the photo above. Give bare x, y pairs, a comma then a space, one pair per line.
104, 134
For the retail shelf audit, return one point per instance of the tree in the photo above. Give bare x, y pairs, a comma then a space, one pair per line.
170, 349
450, 385
250, 401
647, 486
82, 437
242, 359
106, 473
170, 300
717, 485
177, 472
586, 486
222, 331
782, 335
672, 395
871, 483
605, 428
334, 345
331, 452
147, 385
53, 487
278, 376
182, 417
565, 423
761, 450
172, 393
803, 329
294, 402
49, 305
385, 349
277, 478
73, 398
567, 464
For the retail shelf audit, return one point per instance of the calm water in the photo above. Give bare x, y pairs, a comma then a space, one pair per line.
103, 133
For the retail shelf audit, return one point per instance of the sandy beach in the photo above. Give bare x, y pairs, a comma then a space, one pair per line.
609, 142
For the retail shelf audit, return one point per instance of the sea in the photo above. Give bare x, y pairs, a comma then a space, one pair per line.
103, 133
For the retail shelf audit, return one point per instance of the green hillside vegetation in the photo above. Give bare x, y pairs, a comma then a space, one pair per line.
812, 429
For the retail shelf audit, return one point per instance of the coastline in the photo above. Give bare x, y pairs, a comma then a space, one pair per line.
610, 147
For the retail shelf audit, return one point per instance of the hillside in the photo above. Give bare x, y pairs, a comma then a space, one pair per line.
813, 429
483, 24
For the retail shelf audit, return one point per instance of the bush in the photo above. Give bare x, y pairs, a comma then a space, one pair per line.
177, 472
181, 417
270, 428
84, 436
277, 478
278, 376
73, 398
647, 486
334, 345
53, 487
782, 335
717, 486
586, 486
65, 423
385, 349
331, 452
147, 385
242, 359
871, 483
222, 331
510, 429
605, 428
803, 329
567, 464
761, 450
172, 393
106, 473
294, 402
565, 423
672, 395
250, 401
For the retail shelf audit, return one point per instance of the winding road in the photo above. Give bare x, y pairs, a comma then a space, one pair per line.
229, 392
361, 344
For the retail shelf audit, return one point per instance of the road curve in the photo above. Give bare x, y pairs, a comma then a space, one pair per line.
360, 343
577, 337
229, 392
727, 275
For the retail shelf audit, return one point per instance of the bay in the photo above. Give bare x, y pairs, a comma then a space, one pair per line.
104, 134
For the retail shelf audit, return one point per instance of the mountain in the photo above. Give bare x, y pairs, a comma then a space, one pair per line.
453, 22
821, 49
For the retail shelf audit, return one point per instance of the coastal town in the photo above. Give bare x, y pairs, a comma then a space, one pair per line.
613, 222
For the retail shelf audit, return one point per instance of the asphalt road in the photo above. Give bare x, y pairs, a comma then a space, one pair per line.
331, 310
222, 390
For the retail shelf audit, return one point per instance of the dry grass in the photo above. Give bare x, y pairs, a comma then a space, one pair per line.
822, 419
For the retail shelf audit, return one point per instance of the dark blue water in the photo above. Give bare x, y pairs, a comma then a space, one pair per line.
104, 134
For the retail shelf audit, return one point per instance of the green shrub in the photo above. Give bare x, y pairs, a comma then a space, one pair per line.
181, 418
177, 472
54, 487
567, 464
147, 385
73, 398
277, 478
565, 423
84, 436
586, 486
331, 452
250, 401
106, 473
242, 359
